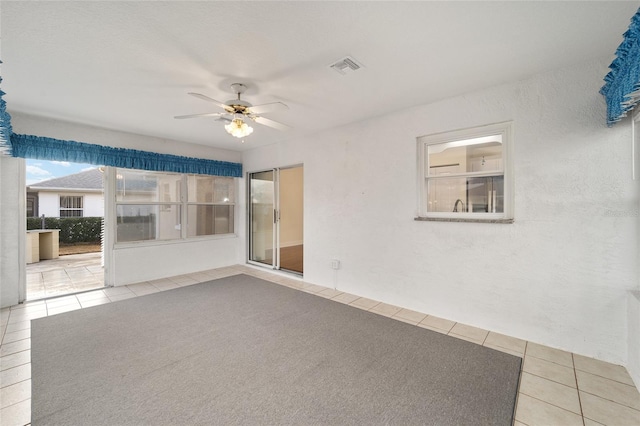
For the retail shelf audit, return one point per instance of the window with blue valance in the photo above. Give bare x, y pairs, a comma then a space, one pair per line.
44, 148
622, 83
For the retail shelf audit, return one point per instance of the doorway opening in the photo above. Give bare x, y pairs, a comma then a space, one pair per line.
276, 218
65, 217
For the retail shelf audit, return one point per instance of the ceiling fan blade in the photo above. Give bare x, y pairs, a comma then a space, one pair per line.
208, 99
274, 106
224, 119
208, 114
270, 123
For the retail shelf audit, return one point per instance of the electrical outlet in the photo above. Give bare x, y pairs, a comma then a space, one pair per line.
335, 264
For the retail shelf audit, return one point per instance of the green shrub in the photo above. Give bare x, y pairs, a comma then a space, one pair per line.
72, 229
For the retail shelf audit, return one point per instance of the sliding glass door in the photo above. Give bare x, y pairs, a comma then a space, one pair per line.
262, 218
275, 220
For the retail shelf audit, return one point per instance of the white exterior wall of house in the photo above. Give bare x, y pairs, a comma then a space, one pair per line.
93, 204
49, 203
560, 275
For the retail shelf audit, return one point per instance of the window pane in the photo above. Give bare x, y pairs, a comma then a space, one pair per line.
147, 222
200, 189
223, 219
70, 202
71, 206
223, 190
70, 213
211, 189
141, 186
470, 195
465, 156
209, 220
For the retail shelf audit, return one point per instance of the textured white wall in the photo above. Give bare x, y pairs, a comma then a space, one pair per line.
139, 264
559, 275
633, 364
12, 230
633, 341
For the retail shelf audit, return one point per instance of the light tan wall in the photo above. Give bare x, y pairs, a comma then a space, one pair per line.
291, 206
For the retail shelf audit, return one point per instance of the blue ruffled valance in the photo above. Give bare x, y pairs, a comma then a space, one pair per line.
5, 125
43, 148
622, 83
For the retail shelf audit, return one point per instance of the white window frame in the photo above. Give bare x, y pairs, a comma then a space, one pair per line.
182, 205
70, 209
504, 129
213, 204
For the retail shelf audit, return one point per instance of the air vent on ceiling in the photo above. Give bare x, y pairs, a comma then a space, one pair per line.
346, 65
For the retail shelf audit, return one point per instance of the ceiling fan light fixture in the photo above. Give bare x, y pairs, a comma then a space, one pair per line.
238, 128
237, 112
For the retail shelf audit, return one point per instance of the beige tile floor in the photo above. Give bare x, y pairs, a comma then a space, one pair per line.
556, 387
65, 275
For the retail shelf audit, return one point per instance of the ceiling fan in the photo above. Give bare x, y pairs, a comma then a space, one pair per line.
237, 111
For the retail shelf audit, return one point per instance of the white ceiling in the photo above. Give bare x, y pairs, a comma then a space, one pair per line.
129, 65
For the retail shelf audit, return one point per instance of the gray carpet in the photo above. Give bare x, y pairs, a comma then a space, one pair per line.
241, 350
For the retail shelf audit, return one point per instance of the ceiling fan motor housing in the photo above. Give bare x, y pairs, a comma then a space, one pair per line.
238, 104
